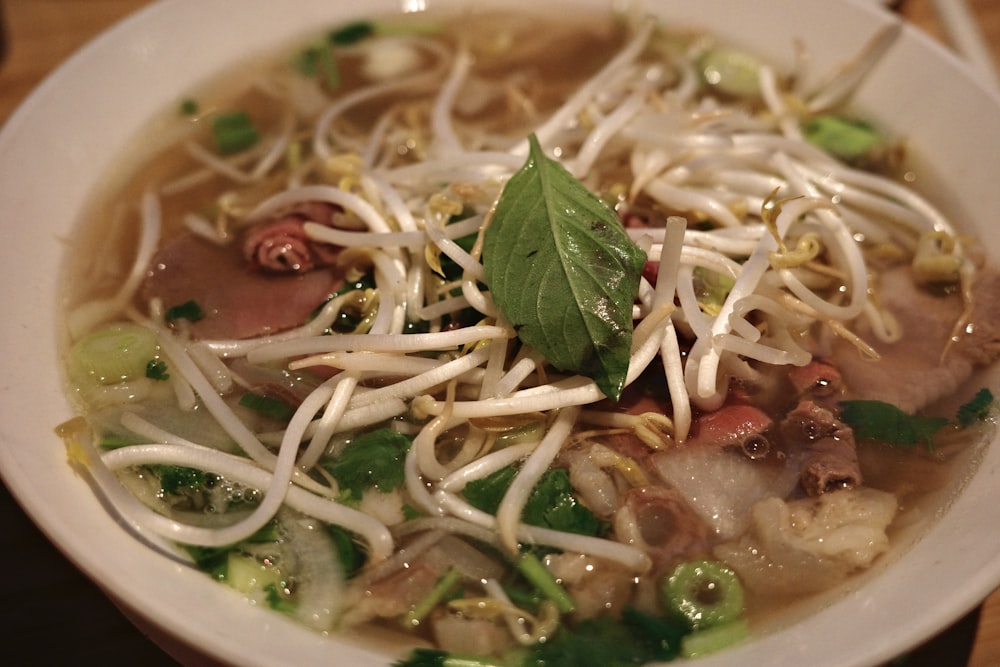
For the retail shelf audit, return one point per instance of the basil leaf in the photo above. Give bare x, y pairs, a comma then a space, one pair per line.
563, 271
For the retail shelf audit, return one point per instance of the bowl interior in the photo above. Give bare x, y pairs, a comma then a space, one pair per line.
70, 135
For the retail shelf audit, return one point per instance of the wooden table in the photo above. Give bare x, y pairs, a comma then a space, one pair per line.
51, 611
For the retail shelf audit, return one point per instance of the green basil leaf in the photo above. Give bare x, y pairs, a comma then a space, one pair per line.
563, 271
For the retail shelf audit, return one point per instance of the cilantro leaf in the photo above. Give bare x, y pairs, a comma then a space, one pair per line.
176, 478
883, 421
372, 460
553, 236
976, 409
189, 310
427, 657
351, 550
156, 369
551, 504
267, 405
636, 639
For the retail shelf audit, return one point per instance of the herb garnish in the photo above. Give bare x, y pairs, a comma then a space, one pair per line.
371, 460
189, 310
638, 638
883, 421
563, 271
267, 406
234, 132
551, 504
156, 369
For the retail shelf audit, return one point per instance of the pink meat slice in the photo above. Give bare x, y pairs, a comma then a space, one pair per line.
237, 301
281, 244
915, 371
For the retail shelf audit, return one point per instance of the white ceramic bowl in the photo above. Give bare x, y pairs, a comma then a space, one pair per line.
57, 148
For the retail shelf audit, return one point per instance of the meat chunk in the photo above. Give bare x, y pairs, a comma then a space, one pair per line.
658, 520
827, 447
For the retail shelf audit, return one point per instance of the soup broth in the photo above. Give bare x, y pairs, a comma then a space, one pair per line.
512, 333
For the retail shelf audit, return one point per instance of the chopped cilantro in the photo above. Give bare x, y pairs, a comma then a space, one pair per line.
189, 310
551, 504
427, 657
977, 409
175, 478
350, 551
188, 107
372, 460
156, 369
214, 560
267, 406
636, 639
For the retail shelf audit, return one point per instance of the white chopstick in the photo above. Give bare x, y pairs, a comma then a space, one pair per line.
963, 32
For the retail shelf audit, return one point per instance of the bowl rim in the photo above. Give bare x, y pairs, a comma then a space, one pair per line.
136, 33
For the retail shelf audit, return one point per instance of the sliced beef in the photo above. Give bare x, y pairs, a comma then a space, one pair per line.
917, 371
238, 302
818, 381
281, 245
733, 425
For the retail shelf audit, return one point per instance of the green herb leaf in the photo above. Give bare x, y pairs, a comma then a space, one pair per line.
176, 478
156, 369
267, 406
189, 310
563, 271
883, 421
188, 106
278, 600
429, 657
551, 504
351, 551
352, 33
372, 460
234, 132
531, 568
977, 409
636, 639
